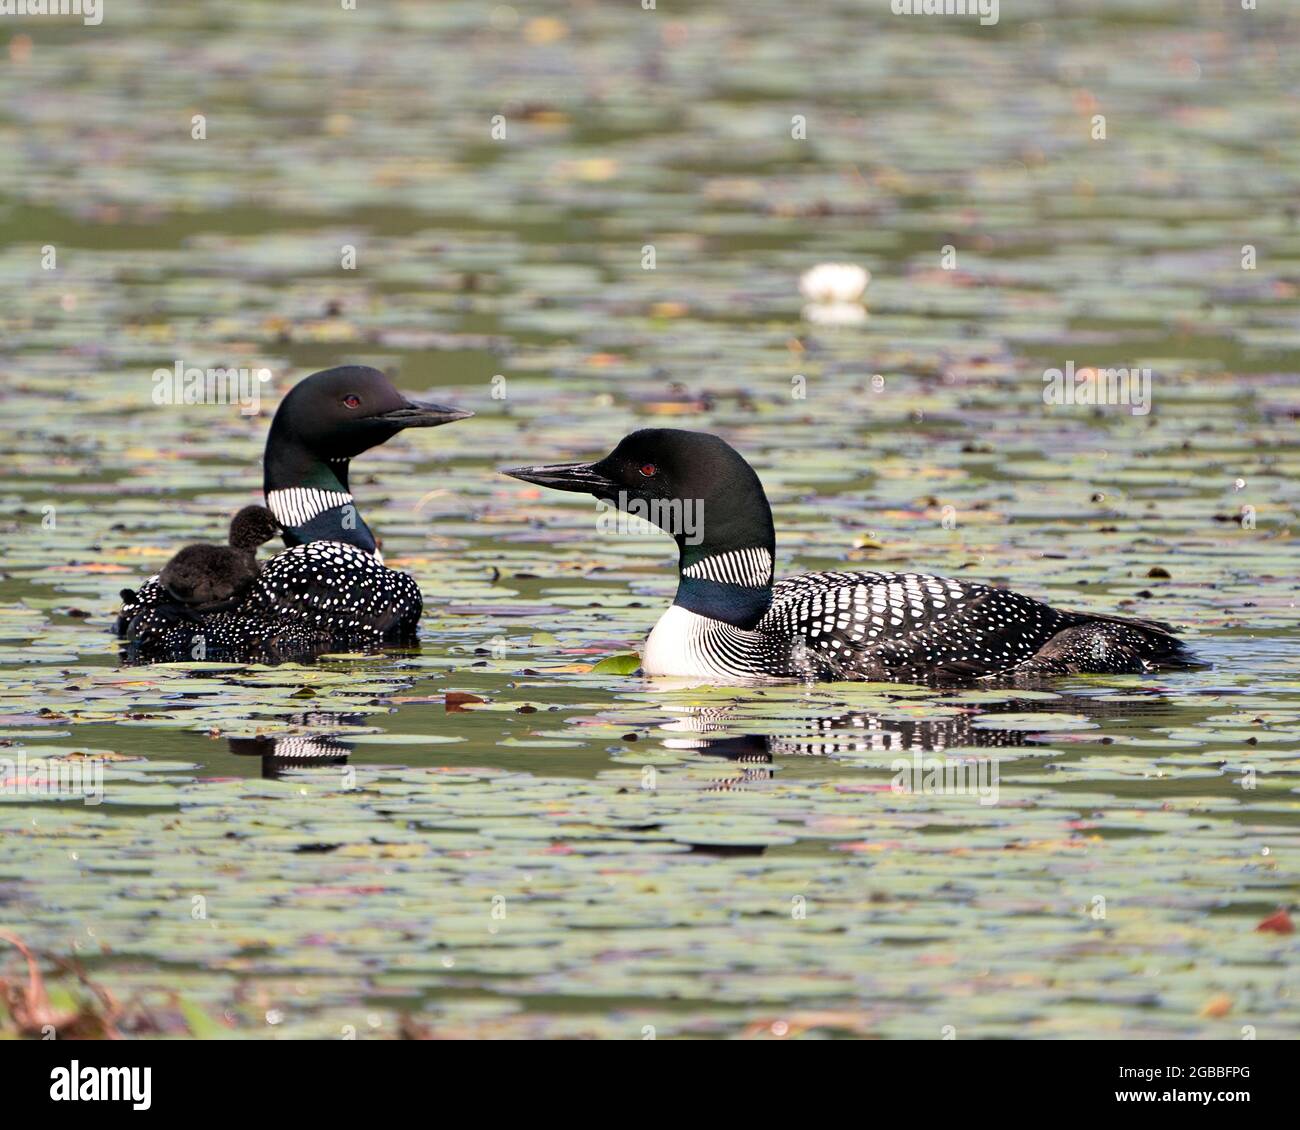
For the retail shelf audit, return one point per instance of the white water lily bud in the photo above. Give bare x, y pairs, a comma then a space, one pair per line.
834, 282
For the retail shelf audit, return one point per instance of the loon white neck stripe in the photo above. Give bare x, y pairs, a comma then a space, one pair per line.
297, 506
751, 567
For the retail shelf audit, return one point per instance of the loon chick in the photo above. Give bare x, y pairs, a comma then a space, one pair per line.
213, 578
330, 588
730, 621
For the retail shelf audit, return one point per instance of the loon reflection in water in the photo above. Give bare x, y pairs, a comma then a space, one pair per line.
281, 752
713, 732
849, 731
884, 732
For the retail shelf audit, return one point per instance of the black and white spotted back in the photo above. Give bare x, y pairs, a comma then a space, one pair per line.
915, 626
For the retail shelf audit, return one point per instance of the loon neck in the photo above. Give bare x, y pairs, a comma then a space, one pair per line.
732, 585
309, 496
741, 606
725, 561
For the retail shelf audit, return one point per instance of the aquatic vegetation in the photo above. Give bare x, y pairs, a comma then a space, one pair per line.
502, 831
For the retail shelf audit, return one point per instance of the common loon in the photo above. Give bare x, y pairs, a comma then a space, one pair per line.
330, 587
214, 578
730, 621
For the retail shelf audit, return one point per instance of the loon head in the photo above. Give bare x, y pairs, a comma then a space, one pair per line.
699, 489
339, 413
322, 422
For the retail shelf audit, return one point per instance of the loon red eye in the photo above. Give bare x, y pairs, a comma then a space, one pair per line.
649, 470
352, 401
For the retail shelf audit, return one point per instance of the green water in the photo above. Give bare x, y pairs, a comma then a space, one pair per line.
599, 855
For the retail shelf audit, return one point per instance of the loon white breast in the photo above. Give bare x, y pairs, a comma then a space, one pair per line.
685, 643
731, 620
330, 586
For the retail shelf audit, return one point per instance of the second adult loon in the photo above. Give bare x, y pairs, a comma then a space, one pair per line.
330, 587
730, 620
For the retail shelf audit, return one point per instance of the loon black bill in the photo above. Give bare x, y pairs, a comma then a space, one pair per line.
582, 477
417, 414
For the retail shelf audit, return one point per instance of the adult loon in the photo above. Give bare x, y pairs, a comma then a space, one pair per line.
730, 621
330, 588
214, 578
